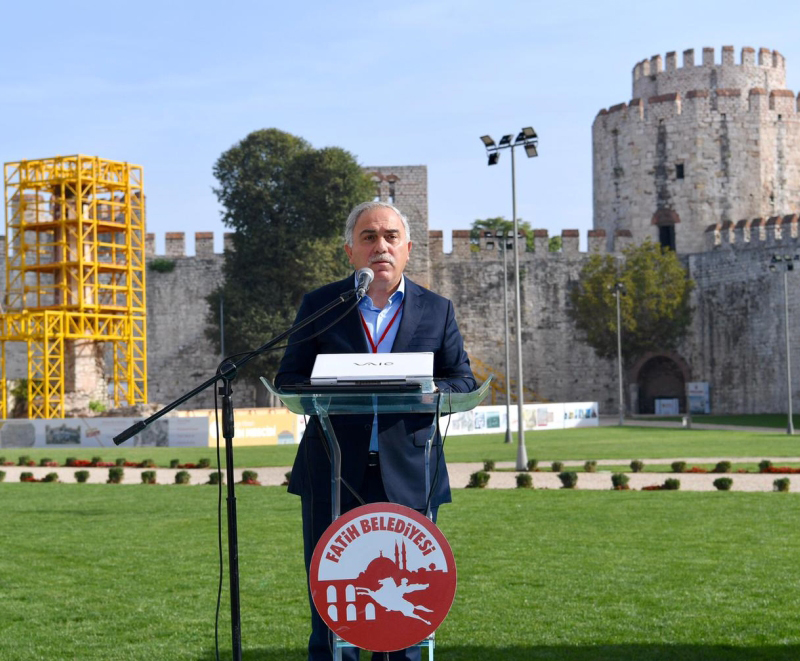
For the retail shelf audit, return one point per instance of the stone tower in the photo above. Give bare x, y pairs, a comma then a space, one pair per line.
697, 144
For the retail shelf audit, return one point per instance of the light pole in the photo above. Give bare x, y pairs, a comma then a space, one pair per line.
527, 139
503, 242
787, 262
619, 290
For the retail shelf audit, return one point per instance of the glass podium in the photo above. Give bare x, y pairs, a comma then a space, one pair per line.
328, 402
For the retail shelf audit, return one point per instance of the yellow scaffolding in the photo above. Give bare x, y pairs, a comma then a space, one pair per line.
75, 271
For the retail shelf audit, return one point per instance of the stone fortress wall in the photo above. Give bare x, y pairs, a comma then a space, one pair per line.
736, 342
696, 145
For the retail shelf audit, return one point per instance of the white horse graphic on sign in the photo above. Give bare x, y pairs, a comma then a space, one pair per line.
392, 597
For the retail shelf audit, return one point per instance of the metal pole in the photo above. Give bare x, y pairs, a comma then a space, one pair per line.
503, 247
619, 360
222, 323
790, 425
522, 454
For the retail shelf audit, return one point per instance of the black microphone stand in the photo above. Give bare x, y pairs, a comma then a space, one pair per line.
226, 372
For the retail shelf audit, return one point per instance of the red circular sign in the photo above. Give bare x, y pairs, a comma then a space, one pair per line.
383, 577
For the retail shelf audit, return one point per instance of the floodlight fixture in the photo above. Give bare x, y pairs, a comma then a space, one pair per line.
487, 141
528, 133
494, 157
505, 140
530, 150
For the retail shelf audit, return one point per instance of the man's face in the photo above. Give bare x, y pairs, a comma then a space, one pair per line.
380, 243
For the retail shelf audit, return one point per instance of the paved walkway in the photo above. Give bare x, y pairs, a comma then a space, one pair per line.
460, 474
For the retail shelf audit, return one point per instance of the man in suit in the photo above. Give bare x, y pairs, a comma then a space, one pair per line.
382, 456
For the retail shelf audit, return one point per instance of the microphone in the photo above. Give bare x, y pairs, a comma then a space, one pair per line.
365, 277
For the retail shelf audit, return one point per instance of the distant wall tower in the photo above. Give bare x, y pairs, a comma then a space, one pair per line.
698, 144
406, 187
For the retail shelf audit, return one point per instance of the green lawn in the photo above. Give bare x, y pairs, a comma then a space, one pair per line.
776, 420
627, 442
96, 572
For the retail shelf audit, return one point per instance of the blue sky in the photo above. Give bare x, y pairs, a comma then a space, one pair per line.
171, 85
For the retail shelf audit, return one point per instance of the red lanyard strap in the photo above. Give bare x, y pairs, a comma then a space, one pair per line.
372, 344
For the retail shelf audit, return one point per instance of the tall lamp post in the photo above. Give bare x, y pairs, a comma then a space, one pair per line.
619, 290
527, 139
504, 245
787, 263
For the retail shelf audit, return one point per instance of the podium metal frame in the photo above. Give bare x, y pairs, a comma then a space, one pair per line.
326, 403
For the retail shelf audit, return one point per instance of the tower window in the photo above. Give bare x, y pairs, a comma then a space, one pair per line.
679, 171
666, 236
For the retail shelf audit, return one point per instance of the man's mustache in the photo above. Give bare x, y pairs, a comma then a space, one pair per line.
382, 257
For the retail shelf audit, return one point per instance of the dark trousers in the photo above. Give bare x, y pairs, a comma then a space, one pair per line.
316, 519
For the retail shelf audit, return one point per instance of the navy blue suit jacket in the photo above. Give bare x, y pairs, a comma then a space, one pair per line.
428, 324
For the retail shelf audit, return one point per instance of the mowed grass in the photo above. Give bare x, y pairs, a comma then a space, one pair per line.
97, 572
775, 420
628, 442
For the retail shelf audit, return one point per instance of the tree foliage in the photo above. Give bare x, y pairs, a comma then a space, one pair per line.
500, 223
287, 204
655, 307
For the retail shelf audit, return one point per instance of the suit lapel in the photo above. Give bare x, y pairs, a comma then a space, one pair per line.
412, 314
350, 327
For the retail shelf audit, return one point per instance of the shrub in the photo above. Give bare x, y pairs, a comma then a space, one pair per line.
96, 460
182, 477
781, 484
26, 476
533, 464
478, 480
2, 476
678, 466
174, 463
287, 476
23, 460
50, 477
204, 463
249, 477
524, 481
722, 467
569, 479
637, 465
488, 465
45, 461
672, 484
119, 461
557, 466
71, 461
148, 477
148, 463
216, 478
115, 474
590, 466
161, 265
723, 483
764, 466
81, 476
620, 481
2, 461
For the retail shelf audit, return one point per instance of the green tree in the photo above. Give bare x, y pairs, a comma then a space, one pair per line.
287, 203
655, 307
503, 224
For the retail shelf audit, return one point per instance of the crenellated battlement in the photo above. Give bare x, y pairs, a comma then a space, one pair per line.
656, 76
175, 244
757, 233
772, 105
488, 246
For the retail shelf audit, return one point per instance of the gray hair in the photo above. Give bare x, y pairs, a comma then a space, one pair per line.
355, 214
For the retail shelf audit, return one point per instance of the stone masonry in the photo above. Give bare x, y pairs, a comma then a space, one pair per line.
698, 144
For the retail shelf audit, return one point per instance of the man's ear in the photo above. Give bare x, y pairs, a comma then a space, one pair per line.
349, 252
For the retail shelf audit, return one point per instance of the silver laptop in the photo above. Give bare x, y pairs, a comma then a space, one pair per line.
344, 369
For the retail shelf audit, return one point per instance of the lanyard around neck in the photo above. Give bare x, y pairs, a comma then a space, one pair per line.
373, 345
